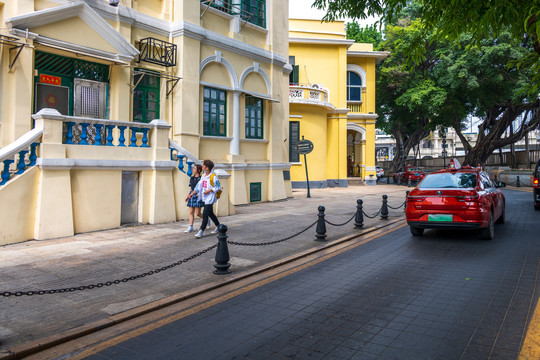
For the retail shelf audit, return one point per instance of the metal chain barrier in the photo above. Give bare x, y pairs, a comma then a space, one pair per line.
345, 223
271, 242
108, 283
371, 217
399, 207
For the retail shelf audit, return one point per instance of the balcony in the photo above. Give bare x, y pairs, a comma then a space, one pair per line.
313, 94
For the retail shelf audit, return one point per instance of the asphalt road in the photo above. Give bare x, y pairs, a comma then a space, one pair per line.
446, 295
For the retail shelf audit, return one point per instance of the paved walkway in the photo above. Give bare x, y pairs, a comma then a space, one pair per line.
104, 256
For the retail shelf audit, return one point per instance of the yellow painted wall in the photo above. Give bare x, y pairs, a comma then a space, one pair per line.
79, 33
17, 213
256, 176
314, 127
96, 199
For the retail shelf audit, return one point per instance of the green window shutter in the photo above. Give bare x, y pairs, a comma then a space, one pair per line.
295, 72
214, 112
254, 118
294, 137
254, 192
146, 97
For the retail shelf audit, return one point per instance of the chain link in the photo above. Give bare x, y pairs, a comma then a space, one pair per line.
108, 283
345, 223
371, 217
399, 207
271, 242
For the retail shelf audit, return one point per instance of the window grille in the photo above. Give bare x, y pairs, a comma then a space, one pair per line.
254, 192
158, 52
63, 66
89, 98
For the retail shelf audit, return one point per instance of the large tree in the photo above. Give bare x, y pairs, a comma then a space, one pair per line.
481, 18
410, 103
480, 81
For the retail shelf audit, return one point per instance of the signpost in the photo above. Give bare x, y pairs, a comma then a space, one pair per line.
304, 147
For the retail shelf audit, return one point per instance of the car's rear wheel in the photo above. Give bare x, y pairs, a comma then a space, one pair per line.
489, 232
416, 231
500, 220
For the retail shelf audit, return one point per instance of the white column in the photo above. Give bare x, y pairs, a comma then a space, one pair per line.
235, 142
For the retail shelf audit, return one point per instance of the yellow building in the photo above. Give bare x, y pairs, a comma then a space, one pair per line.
103, 105
332, 104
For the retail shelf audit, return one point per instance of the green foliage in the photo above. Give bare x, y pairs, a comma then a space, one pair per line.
369, 34
481, 19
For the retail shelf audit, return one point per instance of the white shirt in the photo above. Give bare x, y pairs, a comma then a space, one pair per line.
203, 185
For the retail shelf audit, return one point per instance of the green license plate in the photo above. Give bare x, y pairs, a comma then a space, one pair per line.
440, 217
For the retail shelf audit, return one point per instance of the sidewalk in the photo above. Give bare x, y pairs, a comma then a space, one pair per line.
104, 256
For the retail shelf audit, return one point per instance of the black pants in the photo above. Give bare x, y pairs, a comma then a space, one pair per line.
208, 211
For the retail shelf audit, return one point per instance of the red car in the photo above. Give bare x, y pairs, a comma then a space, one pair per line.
415, 174
455, 198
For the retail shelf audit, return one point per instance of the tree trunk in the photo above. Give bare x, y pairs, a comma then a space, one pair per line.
527, 152
491, 131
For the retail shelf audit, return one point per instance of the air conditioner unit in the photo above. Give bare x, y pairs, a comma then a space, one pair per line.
317, 86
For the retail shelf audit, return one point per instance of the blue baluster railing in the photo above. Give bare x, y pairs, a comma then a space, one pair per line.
98, 134
189, 165
21, 165
33, 154
133, 139
121, 138
84, 134
110, 134
69, 134
145, 138
5, 173
181, 163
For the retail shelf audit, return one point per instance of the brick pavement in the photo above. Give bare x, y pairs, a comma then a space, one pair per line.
114, 254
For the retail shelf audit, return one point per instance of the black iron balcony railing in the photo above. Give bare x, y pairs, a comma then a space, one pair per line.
157, 52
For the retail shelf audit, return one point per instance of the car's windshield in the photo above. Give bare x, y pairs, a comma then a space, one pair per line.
415, 170
448, 180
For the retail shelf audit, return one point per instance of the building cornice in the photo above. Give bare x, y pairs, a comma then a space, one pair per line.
378, 55
319, 41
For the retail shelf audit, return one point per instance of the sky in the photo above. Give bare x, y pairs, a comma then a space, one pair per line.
301, 9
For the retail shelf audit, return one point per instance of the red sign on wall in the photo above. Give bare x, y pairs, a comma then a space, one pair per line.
49, 79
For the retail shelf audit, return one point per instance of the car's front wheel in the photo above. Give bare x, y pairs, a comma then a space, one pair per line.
416, 231
489, 232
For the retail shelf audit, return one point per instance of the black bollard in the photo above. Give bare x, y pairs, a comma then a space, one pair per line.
222, 253
384, 208
359, 217
518, 183
388, 179
406, 197
409, 182
321, 225
496, 179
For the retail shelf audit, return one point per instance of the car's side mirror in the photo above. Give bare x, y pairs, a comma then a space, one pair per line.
501, 184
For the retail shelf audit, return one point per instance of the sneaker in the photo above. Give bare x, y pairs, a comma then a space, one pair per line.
189, 229
215, 231
199, 234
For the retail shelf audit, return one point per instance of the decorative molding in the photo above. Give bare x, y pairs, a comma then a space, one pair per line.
256, 69
262, 141
370, 118
360, 71
378, 55
253, 166
218, 57
320, 41
97, 164
357, 128
85, 13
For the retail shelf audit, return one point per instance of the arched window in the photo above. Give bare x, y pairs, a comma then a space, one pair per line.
354, 86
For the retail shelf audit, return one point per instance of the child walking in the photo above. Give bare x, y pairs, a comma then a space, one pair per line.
193, 202
207, 188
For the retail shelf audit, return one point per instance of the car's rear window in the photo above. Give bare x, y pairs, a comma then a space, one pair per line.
448, 180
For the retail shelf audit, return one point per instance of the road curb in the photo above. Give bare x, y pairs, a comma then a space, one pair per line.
33, 347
